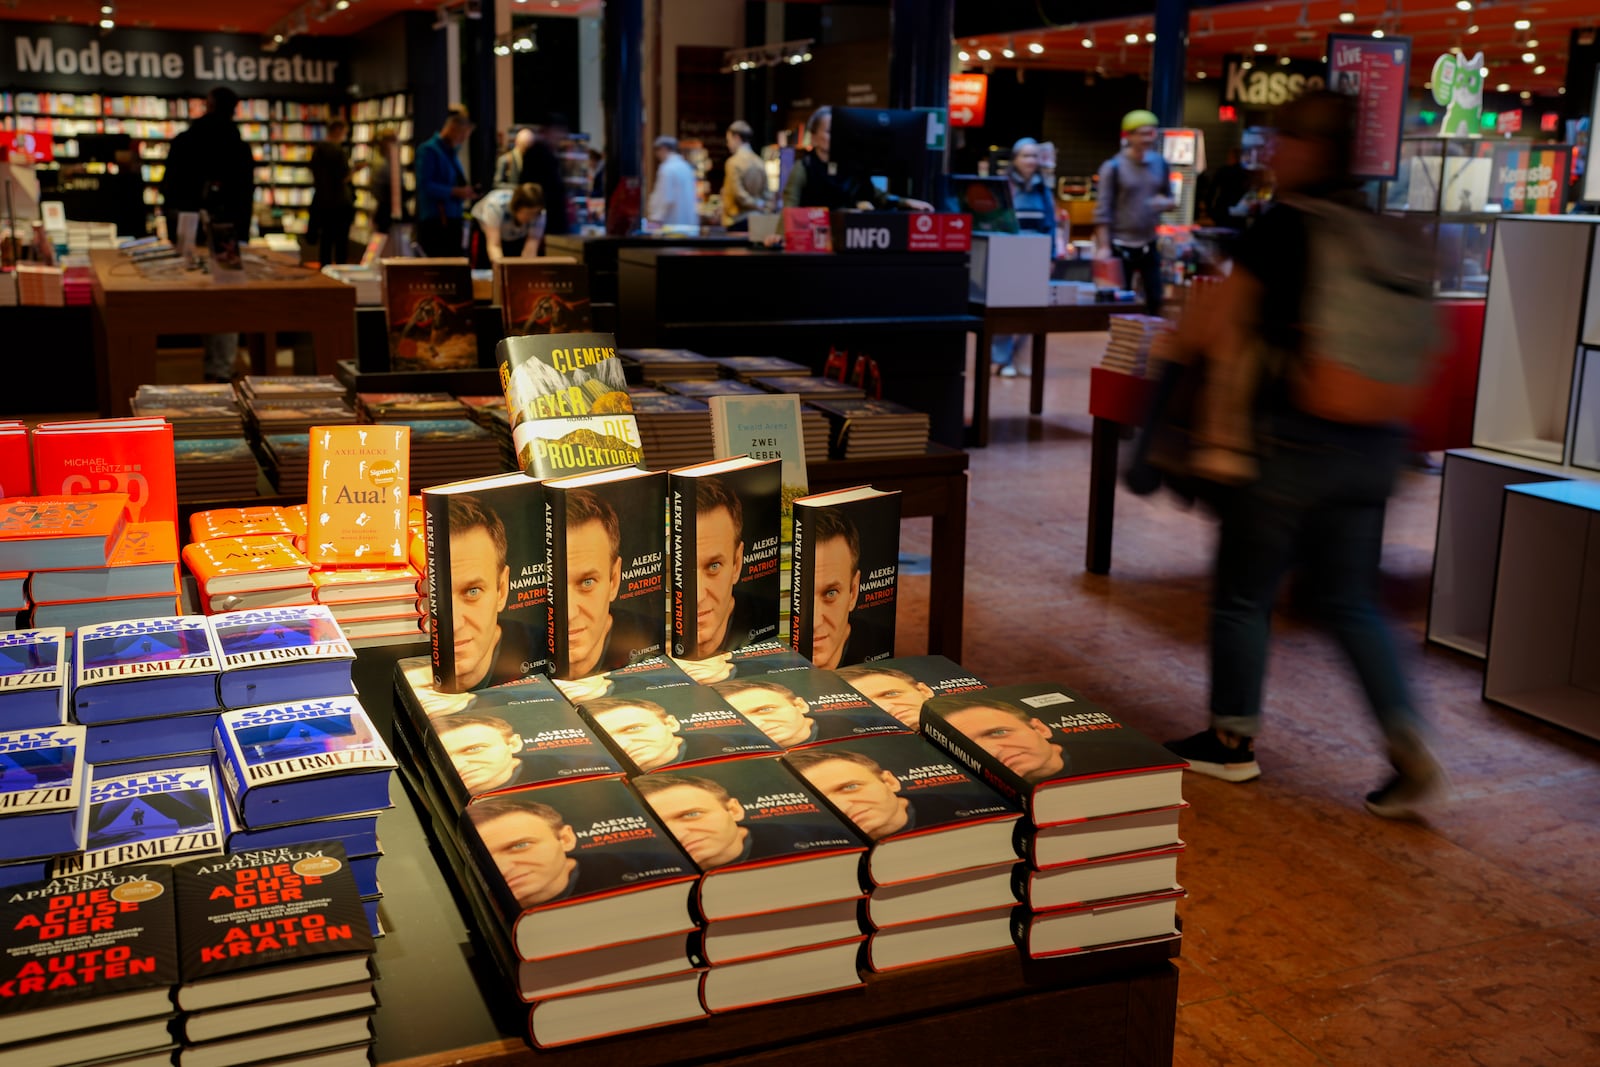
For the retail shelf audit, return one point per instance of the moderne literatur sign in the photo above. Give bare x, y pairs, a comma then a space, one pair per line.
61, 58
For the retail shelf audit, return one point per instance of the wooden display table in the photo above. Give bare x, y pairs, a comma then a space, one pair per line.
135, 305
1116, 400
1039, 323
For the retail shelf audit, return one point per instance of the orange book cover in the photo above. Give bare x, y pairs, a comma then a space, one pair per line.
16, 464
58, 532
132, 456
356, 511
144, 564
350, 584
256, 561
242, 522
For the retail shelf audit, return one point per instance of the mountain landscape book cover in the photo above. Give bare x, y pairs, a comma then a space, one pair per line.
564, 447
427, 304
274, 655
562, 376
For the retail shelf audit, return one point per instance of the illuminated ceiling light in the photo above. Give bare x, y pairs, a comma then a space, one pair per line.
1008, 53
1284, 61
964, 55
1132, 38
1259, 46
1036, 48
108, 24
1378, 32
1246, 65
1531, 43
1472, 28
1526, 95
105, 9
502, 49
1149, 38
1503, 87
1347, 17
984, 54
1483, 73
1529, 57
277, 38
1561, 90
342, 5
1522, 24
1463, 5
1201, 75
1540, 69
1088, 42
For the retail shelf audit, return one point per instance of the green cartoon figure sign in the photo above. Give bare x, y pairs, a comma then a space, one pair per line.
1458, 85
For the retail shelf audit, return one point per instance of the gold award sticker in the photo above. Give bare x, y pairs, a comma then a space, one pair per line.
316, 866
137, 892
384, 474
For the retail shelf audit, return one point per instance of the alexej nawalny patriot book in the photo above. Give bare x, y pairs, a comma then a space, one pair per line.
146, 816
725, 555
276, 655
356, 505
846, 570
805, 707
143, 668
33, 678
903, 684
44, 779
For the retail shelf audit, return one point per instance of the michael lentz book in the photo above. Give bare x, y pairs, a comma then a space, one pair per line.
44, 779
541, 297
725, 551
805, 707
761, 835
486, 614
901, 685
607, 578
144, 668
268, 922
1059, 756
127, 455
149, 816
57, 532
101, 944
33, 678
276, 655
764, 657
428, 306
925, 814
846, 568
683, 726
313, 760
356, 506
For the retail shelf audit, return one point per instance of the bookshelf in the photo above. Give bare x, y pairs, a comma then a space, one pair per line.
370, 119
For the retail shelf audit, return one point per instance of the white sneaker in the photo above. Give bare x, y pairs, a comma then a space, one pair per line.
1008, 371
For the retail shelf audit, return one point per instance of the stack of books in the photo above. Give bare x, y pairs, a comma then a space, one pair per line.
490, 413
807, 387
195, 411
657, 366
1128, 350
1100, 804
718, 387
77, 285
41, 286
869, 429
746, 368
139, 580
675, 430
293, 403
147, 689
249, 558
408, 407
288, 456
444, 450
371, 601
215, 468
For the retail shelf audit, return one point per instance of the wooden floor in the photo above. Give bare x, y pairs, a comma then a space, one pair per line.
1314, 933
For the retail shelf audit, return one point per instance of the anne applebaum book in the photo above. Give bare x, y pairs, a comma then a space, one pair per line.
541, 296
33, 678
683, 726
95, 949
267, 923
764, 840
486, 614
578, 866
428, 306
356, 506
144, 563
95, 456
278, 655
725, 552
846, 568
1061, 757
142, 668
149, 815
53, 532
311, 760
606, 534
44, 786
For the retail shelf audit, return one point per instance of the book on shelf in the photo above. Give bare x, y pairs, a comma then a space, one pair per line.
278, 655
561, 376
486, 586
661, 365
57, 532
141, 668
748, 937
941, 896
1092, 881
925, 815
543, 296
763, 427
427, 304
144, 563
44, 787
761, 835
764, 657
698, 389
1103, 835
900, 686
846, 568
1055, 753
308, 760
252, 521
682, 726
149, 815
359, 479
403, 407
784, 976
606, 537
1066, 931
356, 834
724, 547
97, 456
807, 388
743, 368
947, 937
33, 678
804, 707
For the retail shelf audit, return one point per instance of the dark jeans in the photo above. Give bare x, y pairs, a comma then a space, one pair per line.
333, 237
1145, 262
440, 239
1319, 503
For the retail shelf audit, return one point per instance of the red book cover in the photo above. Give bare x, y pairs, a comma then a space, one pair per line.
16, 465
132, 456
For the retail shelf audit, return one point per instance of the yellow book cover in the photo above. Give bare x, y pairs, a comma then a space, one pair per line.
356, 506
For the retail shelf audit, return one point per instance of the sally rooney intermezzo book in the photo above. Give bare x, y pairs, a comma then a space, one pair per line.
33, 679
44, 779
846, 568
313, 760
145, 816
275, 655
143, 668
725, 552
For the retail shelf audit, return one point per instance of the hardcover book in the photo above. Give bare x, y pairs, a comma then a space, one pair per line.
763, 427
935, 940
725, 553
243, 522
278, 655
97, 456
144, 563
682, 726
142, 668
654, 672
562, 447
1104, 835
76, 614
764, 840
33, 678
357, 494
311, 760
901, 685
925, 815
1092, 881
607, 577
428, 306
578, 866
765, 657
343, 585
53, 532
786, 976
147, 816
846, 568
1067, 931
269, 922
486, 584
542, 297
59, 939
43, 786
16, 464
562, 376
134, 740
805, 707
247, 564
1053, 752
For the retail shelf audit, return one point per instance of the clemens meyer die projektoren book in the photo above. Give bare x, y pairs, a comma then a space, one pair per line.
538, 296
143, 668
44, 783
725, 552
310, 760
143, 816
428, 306
356, 507
486, 583
276, 655
33, 678
568, 404
846, 567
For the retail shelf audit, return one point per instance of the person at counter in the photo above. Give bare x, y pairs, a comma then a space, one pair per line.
672, 195
744, 182
1035, 206
815, 182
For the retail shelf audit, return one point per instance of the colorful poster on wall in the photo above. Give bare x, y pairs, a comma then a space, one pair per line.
1531, 179
1376, 71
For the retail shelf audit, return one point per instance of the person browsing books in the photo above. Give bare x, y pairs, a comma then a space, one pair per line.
744, 179
724, 617
511, 221
489, 648
531, 845
894, 691
600, 637
1035, 205
333, 205
836, 548
673, 200
508, 168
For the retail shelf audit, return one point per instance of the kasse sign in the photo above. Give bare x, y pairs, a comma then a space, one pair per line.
1267, 83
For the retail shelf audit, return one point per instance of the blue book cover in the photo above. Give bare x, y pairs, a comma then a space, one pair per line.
43, 787
313, 759
144, 739
33, 678
148, 817
278, 655
358, 834
142, 668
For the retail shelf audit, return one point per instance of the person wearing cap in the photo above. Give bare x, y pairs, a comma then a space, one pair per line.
1135, 187
442, 186
1035, 205
672, 196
